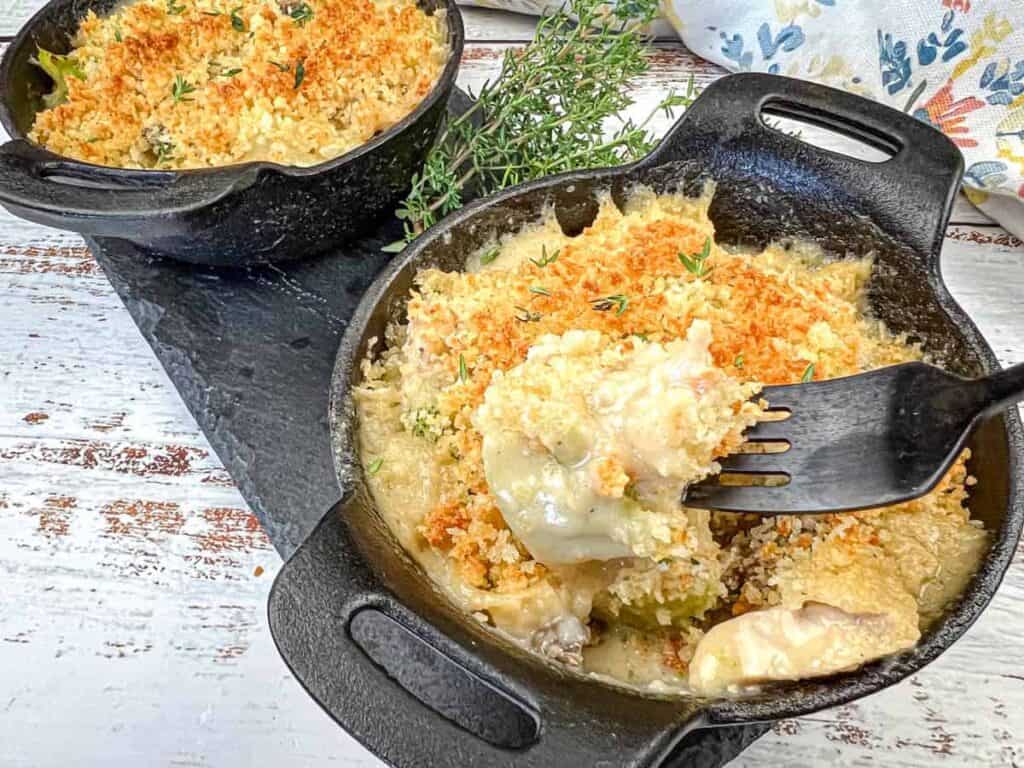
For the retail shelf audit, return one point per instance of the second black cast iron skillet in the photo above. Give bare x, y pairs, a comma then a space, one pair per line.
421, 684
229, 216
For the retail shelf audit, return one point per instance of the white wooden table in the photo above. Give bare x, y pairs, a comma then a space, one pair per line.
133, 578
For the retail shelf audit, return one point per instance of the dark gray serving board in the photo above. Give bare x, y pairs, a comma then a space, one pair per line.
251, 353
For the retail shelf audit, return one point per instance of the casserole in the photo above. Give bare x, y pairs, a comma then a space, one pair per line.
350, 610
226, 216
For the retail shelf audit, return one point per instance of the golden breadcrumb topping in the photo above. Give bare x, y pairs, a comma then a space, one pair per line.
638, 276
174, 84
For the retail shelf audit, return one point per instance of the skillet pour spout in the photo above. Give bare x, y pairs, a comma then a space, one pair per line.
231, 216
418, 682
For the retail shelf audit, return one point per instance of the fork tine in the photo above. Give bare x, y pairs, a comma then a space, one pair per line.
753, 462
767, 431
764, 500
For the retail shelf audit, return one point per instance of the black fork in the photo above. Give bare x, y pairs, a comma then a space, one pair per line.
858, 442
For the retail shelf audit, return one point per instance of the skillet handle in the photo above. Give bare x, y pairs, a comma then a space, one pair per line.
912, 192
441, 692
95, 200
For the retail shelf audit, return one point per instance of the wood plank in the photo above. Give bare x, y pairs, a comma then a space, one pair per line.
132, 613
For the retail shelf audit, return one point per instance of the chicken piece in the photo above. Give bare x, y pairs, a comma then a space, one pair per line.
792, 644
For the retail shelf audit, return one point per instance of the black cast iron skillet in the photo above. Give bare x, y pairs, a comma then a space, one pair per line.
418, 682
228, 216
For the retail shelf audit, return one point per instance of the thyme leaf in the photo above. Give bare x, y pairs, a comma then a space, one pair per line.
174, 9
164, 151
374, 466
463, 372
607, 302
695, 262
808, 374
545, 258
300, 72
181, 88
554, 107
738, 361
489, 255
301, 14
523, 315
236, 21
540, 290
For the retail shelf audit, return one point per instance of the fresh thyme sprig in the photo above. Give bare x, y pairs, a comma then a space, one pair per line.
548, 111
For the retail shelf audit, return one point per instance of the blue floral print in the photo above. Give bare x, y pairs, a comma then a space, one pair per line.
787, 40
951, 44
892, 56
986, 174
1003, 81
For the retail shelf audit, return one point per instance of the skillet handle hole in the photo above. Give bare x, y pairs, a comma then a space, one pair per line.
115, 179
441, 683
577, 211
828, 131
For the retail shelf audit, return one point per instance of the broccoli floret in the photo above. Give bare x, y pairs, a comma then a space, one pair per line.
57, 67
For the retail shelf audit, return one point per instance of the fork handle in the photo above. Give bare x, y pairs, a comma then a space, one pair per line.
1001, 390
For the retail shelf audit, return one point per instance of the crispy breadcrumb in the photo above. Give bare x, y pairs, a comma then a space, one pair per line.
201, 83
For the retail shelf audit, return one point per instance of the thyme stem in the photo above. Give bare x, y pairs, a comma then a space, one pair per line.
548, 111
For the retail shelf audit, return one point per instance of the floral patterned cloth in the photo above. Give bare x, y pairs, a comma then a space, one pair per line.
956, 64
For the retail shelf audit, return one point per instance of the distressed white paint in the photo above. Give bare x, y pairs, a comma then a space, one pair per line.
132, 621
